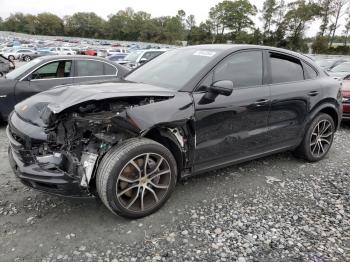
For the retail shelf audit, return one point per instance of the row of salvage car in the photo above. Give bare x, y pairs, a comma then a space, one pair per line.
127, 137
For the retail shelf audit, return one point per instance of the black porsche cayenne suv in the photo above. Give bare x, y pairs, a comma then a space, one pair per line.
188, 111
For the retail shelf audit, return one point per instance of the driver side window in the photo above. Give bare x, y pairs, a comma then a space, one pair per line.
56, 69
244, 69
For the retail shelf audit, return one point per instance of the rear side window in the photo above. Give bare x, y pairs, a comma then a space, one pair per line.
243, 69
285, 69
110, 70
309, 72
89, 68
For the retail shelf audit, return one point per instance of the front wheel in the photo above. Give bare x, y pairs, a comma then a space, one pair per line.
136, 178
318, 138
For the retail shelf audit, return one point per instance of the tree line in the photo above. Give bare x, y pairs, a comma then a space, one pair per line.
282, 23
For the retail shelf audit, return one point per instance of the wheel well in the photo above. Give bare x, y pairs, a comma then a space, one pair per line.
157, 135
333, 113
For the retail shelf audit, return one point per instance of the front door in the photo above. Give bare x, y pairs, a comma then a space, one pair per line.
47, 76
233, 127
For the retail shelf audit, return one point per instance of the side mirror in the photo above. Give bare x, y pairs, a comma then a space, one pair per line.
143, 60
223, 87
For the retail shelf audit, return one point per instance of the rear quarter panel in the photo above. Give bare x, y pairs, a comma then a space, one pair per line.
331, 97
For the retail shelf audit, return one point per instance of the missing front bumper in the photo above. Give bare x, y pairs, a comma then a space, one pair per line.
48, 180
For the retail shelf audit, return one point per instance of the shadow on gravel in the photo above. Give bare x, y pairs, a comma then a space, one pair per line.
345, 125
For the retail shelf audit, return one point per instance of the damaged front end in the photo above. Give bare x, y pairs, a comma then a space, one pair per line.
60, 153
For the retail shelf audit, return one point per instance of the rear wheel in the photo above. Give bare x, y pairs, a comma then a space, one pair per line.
27, 58
11, 58
136, 178
1, 74
318, 138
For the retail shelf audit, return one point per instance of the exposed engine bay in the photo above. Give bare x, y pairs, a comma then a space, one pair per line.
80, 135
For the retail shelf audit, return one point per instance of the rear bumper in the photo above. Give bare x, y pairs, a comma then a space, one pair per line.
346, 112
38, 176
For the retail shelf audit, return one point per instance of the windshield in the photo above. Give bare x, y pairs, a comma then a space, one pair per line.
132, 57
344, 67
173, 69
20, 70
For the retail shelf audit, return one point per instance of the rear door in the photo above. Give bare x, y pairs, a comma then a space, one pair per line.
91, 70
45, 77
293, 92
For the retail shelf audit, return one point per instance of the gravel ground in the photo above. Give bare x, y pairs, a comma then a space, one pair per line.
274, 209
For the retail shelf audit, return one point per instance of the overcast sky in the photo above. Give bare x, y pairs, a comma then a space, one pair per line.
104, 8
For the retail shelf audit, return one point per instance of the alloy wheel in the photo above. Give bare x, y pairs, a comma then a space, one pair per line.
143, 182
321, 138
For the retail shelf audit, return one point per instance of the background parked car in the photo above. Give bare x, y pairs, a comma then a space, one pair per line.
5, 65
101, 52
340, 71
30, 56
115, 51
14, 54
89, 51
46, 72
139, 57
329, 63
117, 57
346, 99
63, 51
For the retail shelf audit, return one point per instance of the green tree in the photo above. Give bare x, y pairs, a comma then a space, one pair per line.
233, 15
325, 13
269, 11
346, 30
31, 24
296, 20
15, 23
281, 25
190, 24
337, 12
320, 45
85, 25
49, 24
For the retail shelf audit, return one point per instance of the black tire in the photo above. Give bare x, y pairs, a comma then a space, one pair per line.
309, 147
1, 74
27, 58
110, 178
11, 58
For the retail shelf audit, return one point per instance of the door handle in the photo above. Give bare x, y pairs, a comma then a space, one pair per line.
313, 93
261, 102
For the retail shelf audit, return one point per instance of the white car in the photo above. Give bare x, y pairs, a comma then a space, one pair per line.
14, 54
139, 57
117, 50
63, 51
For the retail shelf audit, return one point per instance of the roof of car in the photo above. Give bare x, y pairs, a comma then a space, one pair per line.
55, 57
234, 47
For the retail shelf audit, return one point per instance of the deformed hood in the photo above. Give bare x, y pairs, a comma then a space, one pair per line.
58, 99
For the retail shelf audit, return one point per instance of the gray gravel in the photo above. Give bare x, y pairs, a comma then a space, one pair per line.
274, 209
